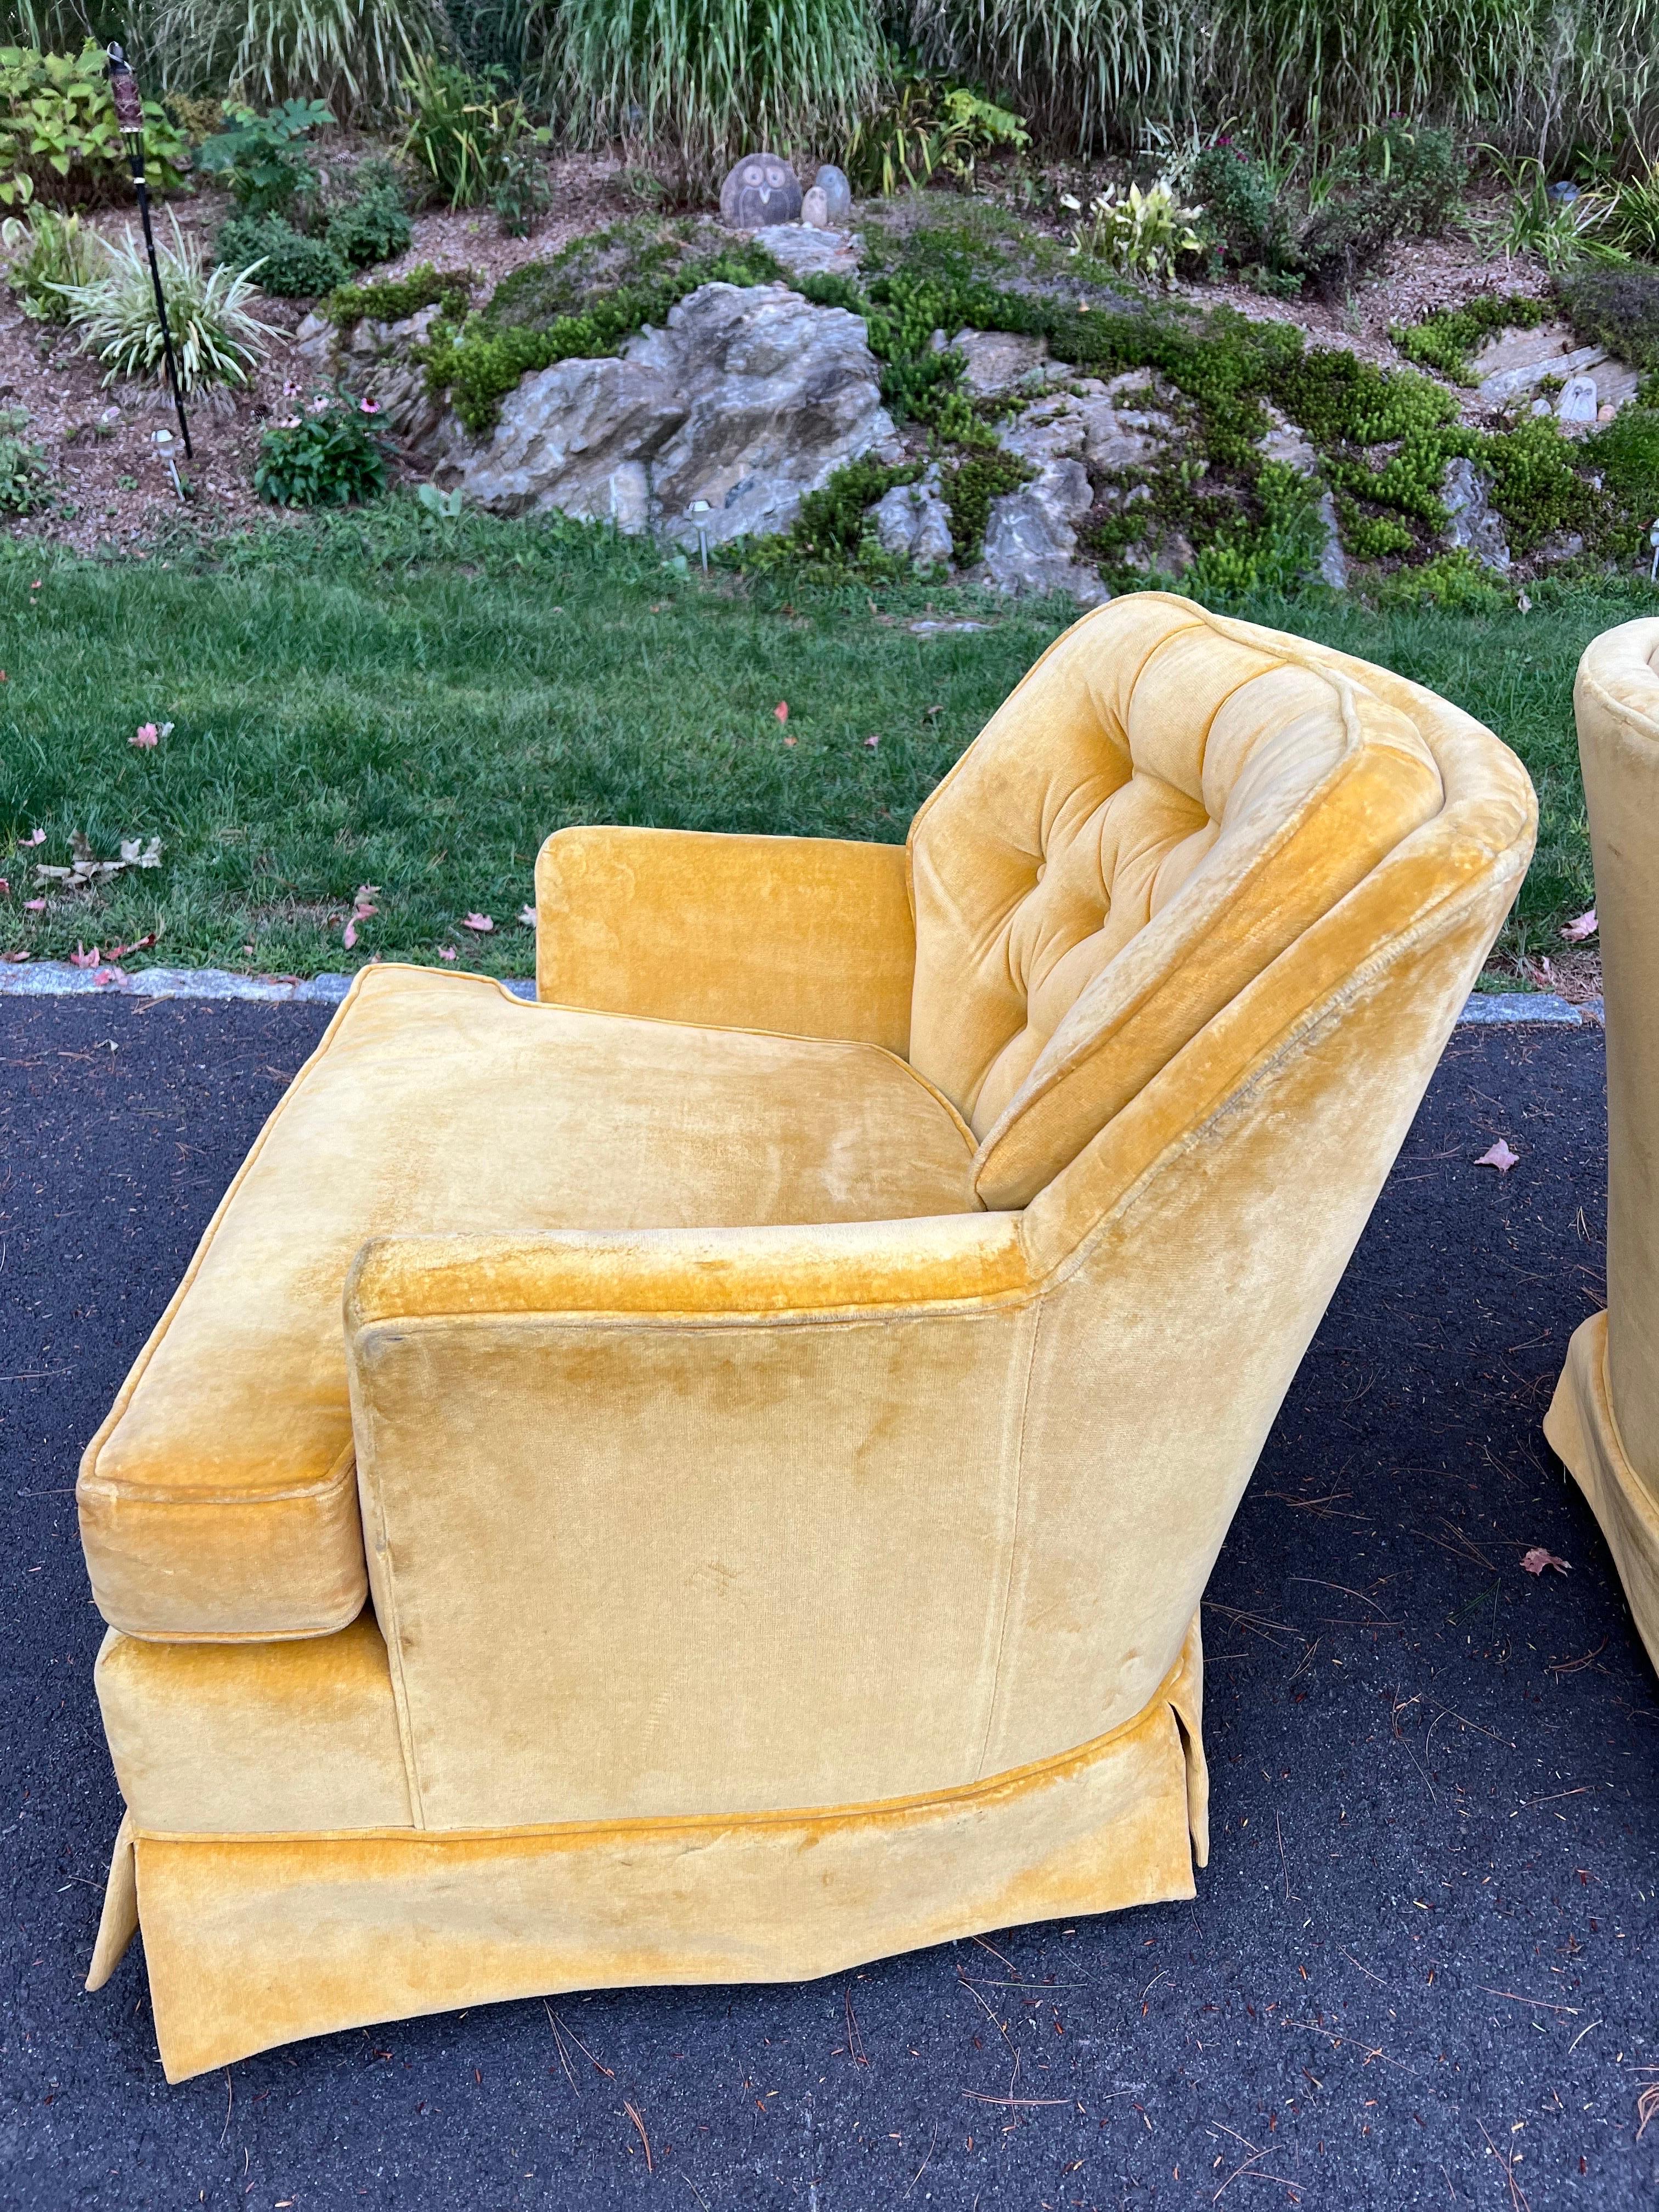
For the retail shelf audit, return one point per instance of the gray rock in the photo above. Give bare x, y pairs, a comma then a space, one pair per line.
837, 192
749, 399
1511, 365
814, 209
761, 189
805, 251
373, 358
914, 522
1580, 401
998, 359
1472, 526
1031, 537
1286, 442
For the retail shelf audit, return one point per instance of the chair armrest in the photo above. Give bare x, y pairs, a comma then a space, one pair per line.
809, 936
836, 1267
656, 1523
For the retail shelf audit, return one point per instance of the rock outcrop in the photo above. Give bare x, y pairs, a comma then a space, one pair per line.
1472, 526
914, 522
749, 399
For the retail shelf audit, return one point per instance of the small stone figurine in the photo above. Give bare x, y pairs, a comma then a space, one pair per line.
763, 188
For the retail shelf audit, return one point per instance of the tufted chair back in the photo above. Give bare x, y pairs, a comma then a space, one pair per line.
1161, 807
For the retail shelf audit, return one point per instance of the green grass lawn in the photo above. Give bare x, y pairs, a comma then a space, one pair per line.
384, 701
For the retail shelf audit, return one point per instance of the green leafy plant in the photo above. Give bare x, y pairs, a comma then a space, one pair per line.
281, 259
929, 129
55, 251
521, 192
1633, 221
23, 469
441, 505
325, 455
1139, 233
473, 140
371, 223
59, 140
351, 53
261, 158
1561, 232
215, 339
969, 485
707, 80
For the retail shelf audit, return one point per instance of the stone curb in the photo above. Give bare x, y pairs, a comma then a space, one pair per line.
49, 978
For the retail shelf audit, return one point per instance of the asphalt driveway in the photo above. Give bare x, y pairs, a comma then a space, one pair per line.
1420, 1966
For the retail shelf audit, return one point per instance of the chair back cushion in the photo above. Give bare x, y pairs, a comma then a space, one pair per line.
1163, 806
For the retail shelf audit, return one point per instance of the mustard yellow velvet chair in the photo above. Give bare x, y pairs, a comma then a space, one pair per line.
1604, 1419
750, 1513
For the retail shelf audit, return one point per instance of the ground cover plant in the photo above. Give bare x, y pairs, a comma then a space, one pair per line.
414, 703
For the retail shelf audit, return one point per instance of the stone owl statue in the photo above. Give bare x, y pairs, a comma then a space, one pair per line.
761, 189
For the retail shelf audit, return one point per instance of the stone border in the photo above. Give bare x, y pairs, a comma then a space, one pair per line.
48, 979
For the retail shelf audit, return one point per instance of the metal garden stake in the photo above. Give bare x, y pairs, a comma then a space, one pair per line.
130, 115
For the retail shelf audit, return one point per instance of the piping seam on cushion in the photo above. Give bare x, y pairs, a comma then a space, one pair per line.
1011, 1780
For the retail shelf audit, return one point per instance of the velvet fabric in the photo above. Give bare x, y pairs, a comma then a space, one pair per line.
785, 1477
1604, 1420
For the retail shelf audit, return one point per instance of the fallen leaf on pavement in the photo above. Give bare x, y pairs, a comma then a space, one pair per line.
1500, 1157
1538, 1558
1581, 926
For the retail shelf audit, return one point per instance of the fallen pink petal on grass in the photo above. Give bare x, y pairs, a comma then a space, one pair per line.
1535, 1562
872, 742
35, 837
445, 952
781, 710
1581, 926
81, 958
149, 734
479, 923
349, 935
527, 916
34, 906
1500, 1157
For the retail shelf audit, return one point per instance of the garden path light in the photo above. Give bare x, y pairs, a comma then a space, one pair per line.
130, 114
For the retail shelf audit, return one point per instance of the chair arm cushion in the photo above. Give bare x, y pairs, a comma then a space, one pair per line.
843, 1266
810, 936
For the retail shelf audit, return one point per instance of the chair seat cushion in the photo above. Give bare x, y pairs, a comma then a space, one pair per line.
218, 1501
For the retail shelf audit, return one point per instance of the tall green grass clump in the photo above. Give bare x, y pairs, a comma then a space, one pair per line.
351, 53
708, 80
1535, 76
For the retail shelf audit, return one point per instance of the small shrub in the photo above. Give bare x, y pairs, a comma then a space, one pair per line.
522, 192
1274, 553
1244, 206
639, 251
402, 296
59, 141
22, 466
470, 138
1398, 183
372, 225
929, 129
280, 259
326, 456
59, 252
1536, 485
261, 158
1138, 233
215, 340
1624, 453
1618, 308
833, 523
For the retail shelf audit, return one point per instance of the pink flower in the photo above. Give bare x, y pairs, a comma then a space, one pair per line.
368, 406
319, 405
5, 887
146, 734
